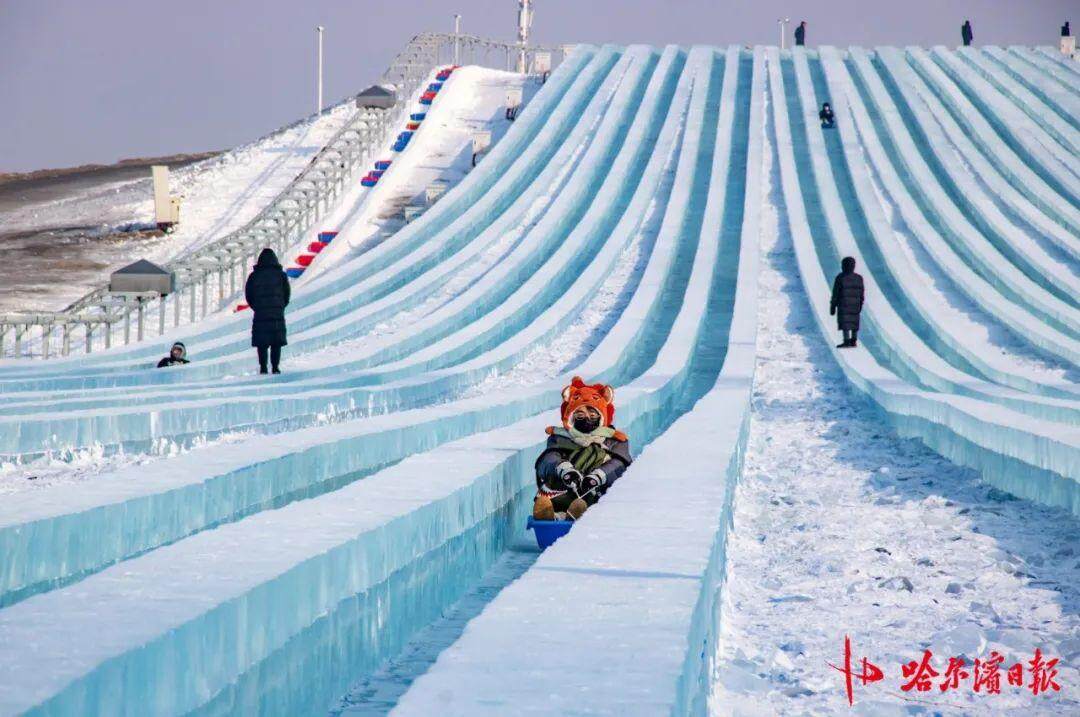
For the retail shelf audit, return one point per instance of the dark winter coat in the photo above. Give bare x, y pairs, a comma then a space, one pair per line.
170, 361
800, 35
559, 449
267, 293
966, 33
847, 299
826, 115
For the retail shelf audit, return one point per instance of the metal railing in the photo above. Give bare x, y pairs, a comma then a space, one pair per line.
210, 278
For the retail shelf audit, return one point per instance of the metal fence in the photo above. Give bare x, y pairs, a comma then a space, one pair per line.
211, 278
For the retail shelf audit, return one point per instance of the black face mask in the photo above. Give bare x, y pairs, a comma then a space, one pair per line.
586, 424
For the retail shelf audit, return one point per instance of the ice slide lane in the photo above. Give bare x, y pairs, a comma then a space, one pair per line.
947, 333
411, 278
1049, 63
1033, 459
463, 213
913, 93
1022, 173
1012, 297
314, 583
974, 232
225, 483
976, 205
662, 574
1038, 84
1014, 128
466, 209
1060, 134
520, 304
923, 322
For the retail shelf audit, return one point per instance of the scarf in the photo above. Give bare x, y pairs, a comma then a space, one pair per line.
590, 452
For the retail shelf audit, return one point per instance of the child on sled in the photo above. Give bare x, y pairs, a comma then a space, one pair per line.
583, 457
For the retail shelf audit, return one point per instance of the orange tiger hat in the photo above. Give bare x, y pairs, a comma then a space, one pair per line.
598, 395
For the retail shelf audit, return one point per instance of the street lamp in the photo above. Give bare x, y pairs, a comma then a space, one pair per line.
318, 72
783, 30
457, 39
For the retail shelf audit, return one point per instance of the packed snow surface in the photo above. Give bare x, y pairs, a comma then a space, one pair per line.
842, 529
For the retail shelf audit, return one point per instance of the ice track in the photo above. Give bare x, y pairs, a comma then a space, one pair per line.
612, 232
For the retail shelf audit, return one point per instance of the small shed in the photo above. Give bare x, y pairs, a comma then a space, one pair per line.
142, 276
381, 97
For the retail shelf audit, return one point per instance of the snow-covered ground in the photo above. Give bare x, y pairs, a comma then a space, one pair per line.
218, 195
841, 528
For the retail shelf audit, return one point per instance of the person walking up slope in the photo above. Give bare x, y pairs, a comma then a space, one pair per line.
267, 293
847, 302
966, 33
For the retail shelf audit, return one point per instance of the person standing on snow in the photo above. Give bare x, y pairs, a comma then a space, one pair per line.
177, 356
1065, 30
847, 302
800, 34
267, 293
966, 33
583, 457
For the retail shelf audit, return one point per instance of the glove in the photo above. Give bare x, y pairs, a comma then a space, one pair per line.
570, 476
593, 481
832, 311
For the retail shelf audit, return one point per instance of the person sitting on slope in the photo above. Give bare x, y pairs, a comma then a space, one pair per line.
583, 457
177, 356
828, 119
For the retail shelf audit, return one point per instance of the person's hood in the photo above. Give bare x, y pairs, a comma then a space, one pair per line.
847, 265
267, 259
183, 349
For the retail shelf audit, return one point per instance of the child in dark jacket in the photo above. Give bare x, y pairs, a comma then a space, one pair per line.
583, 457
177, 356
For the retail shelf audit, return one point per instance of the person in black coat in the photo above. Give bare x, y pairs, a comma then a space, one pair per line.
583, 457
966, 33
800, 34
267, 293
1066, 31
177, 356
828, 119
847, 302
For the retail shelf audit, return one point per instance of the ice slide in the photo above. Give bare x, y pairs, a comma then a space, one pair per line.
374, 491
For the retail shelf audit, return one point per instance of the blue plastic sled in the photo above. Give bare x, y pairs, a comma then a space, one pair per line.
548, 531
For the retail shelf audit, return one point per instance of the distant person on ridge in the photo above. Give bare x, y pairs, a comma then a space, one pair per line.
847, 302
828, 119
1065, 30
177, 356
800, 34
583, 456
267, 293
966, 33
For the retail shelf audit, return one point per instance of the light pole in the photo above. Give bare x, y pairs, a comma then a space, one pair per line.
457, 39
318, 72
524, 21
783, 30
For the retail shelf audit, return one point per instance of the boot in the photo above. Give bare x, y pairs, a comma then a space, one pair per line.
576, 509
543, 509
262, 369
277, 370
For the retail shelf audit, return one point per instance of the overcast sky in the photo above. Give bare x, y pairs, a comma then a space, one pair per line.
99, 80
